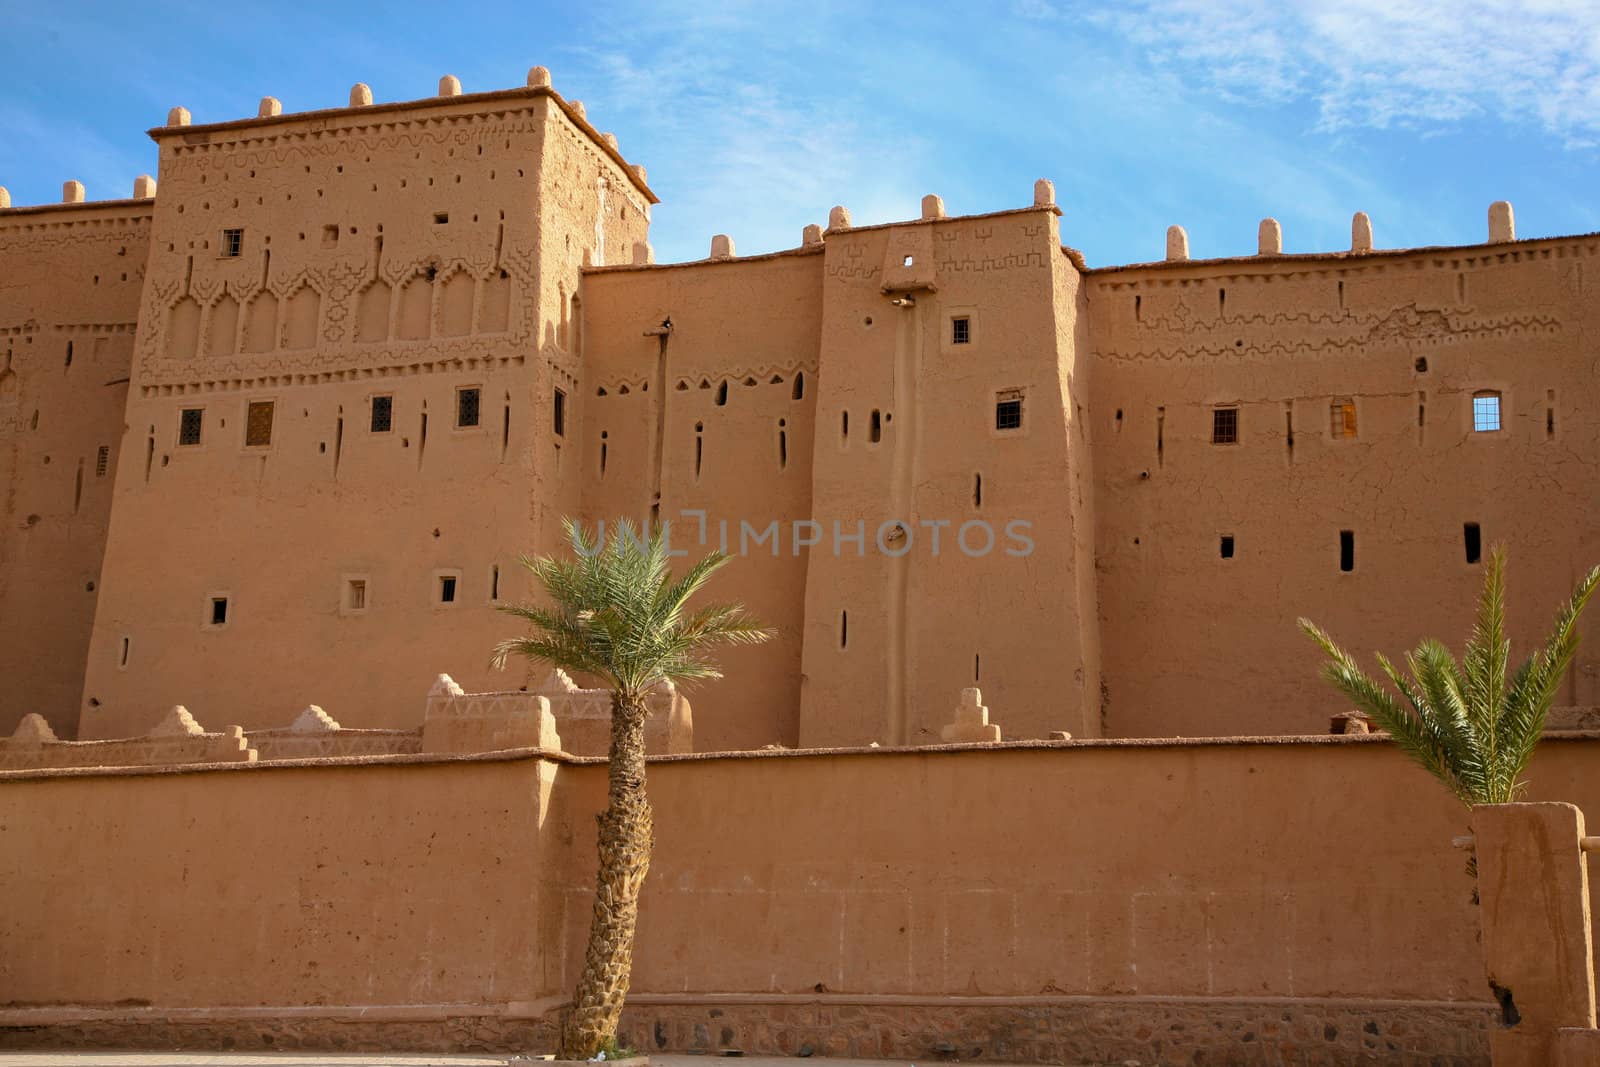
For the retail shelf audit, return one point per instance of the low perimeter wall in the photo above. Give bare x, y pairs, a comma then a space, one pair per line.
1286, 901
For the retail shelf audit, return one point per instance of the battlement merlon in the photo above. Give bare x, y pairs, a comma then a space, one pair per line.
181, 131
814, 237
73, 199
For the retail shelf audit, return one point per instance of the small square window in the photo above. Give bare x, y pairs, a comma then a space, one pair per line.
330, 236
232, 243
559, 415
1008, 411
189, 426
1224, 426
258, 424
382, 414
1342, 417
1226, 546
219, 611
447, 589
1485, 412
441, 218
467, 407
961, 331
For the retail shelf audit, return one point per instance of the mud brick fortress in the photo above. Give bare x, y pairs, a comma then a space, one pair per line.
273, 438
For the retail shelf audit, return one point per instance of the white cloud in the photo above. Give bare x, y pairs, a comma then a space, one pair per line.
728, 148
1384, 63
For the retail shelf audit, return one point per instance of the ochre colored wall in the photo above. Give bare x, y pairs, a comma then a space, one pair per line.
70, 277
747, 332
1195, 644
418, 252
358, 885
498, 241
1301, 869
894, 632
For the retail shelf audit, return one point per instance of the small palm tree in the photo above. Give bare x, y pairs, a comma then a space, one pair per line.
1467, 724
617, 613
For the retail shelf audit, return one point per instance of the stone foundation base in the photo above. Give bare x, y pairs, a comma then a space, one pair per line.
1147, 1031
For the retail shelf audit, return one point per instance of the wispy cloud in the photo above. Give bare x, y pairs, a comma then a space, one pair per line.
732, 147
1410, 64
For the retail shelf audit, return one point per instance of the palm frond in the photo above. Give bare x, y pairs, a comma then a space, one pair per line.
615, 610
1466, 723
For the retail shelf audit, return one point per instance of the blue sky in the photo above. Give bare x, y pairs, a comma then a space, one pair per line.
755, 118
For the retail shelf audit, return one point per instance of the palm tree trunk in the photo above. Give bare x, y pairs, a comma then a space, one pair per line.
626, 838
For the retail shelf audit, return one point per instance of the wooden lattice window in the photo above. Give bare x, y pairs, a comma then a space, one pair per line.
189, 424
382, 414
258, 424
468, 403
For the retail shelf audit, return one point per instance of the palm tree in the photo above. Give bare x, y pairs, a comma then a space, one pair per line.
616, 612
1467, 724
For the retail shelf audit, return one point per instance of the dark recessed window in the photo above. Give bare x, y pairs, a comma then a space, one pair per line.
1472, 538
189, 426
467, 406
1227, 546
382, 414
961, 331
355, 594
1485, 412
232, 243
1224, 426
1008, 413
447, 589
219, 610
559, 413
1347, 550
258, 424
441, 218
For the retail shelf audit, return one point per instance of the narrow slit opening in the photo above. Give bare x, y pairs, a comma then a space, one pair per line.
977, 490
844, 629
1347, 550
875, 427
1472, 541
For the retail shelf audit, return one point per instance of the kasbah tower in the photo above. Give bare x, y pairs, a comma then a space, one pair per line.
278, 433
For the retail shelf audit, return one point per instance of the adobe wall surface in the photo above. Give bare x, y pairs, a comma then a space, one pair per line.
1146, 886
907, 434
70, 277
374, 885
1409, 338
715, 418
386, 252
